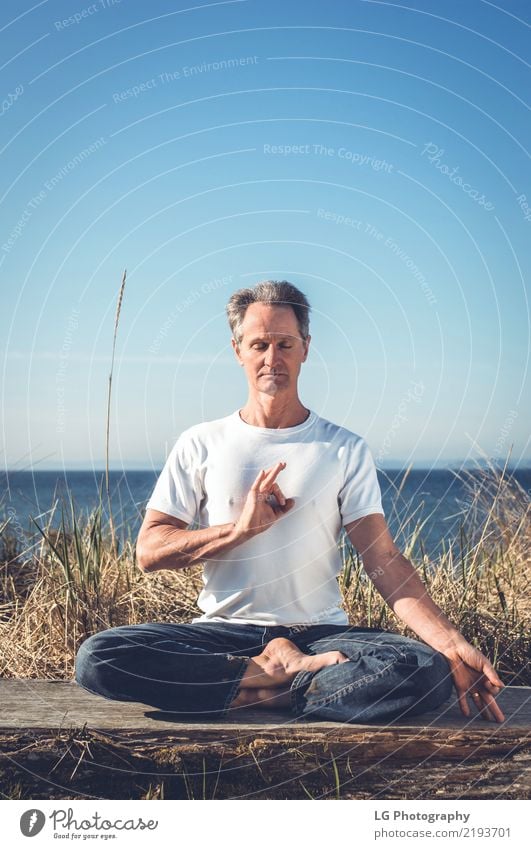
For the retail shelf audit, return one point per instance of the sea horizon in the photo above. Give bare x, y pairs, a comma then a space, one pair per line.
436, 497
391, 465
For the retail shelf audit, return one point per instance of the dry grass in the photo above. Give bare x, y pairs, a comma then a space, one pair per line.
72, 584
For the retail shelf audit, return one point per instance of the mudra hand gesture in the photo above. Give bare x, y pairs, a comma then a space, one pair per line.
264, 504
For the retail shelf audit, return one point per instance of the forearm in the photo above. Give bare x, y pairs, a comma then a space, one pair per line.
403, 590
166, 547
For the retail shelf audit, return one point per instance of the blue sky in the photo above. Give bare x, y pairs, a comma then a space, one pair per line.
372, 153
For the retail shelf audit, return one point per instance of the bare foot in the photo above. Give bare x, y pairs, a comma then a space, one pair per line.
277, 666
262, 697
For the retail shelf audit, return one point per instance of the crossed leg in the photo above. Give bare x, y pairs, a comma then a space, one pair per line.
267, 678
207, 669
389, 676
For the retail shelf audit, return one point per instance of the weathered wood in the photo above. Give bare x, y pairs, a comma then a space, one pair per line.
91, 764
35, 703
58, 741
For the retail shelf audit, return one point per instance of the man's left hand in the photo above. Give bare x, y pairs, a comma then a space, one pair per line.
475, 678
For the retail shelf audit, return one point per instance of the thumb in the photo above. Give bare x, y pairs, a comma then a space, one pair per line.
490, 673
288, 505
492, 676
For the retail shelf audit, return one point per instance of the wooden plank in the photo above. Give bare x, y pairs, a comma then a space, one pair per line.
58, 741
30, 704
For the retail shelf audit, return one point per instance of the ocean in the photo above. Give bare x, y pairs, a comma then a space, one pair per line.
436, 497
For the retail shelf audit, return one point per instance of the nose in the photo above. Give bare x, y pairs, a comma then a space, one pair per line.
270, 356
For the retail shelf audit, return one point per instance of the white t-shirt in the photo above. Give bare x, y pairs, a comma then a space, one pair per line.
285, 575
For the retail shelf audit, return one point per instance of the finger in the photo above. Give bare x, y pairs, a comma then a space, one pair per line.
494, 709
281, 509
257, 481
492, 688
463, 704
287, 506
486, 704
491, 674
290, 502
481, 707
272, 473
278, 494
275, 467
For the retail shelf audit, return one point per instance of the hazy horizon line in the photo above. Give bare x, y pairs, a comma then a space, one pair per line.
423, 463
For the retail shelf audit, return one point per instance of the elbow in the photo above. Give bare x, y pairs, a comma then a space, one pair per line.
143, 560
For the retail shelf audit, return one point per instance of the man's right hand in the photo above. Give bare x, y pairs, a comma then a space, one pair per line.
265, 503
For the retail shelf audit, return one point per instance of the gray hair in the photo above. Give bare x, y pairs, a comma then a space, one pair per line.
276, 292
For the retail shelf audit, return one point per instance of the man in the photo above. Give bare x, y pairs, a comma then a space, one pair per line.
271, 487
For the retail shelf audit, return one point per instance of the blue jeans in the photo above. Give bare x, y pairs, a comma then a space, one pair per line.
196, 669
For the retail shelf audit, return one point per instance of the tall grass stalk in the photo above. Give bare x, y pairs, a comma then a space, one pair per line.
116, 321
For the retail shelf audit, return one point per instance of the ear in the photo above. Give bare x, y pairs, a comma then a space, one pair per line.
236, 349
306, 344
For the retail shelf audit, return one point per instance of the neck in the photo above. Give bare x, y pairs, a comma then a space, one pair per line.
265, 411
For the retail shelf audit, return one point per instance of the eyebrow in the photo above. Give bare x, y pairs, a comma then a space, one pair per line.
263, 339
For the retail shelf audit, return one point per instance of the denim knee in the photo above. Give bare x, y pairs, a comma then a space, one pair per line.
92, 672
386, 684
85, 667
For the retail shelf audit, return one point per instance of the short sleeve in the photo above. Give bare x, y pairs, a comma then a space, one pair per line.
178, 490
360, 494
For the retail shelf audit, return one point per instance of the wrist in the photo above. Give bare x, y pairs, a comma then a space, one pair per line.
449, 643
238, 534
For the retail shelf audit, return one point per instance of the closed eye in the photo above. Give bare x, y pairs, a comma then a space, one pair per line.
261, 345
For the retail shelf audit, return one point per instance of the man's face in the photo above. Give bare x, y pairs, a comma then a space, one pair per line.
271, 349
